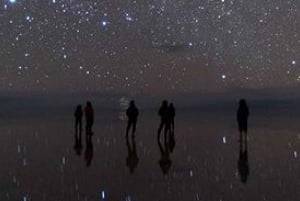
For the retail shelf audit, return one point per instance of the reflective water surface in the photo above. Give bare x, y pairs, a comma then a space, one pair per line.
44, 158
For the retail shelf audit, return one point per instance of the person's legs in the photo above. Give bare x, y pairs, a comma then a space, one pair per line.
159, 129
128, 127
133, 127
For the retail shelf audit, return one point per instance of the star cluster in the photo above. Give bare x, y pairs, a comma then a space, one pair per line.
156, 45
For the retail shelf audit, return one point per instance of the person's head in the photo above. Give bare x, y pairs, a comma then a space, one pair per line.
88, 104
132, 104
165, 103
242, 102
78, 107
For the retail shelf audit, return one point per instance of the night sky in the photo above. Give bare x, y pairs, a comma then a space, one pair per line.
150, 45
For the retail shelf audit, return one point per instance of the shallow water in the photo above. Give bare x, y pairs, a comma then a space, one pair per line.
39, 161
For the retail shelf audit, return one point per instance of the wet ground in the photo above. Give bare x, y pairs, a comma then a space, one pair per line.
40, 159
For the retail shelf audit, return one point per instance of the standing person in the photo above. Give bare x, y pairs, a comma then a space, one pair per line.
78, 118
171, 116
242, 118
89, 117
163, 113
132, 113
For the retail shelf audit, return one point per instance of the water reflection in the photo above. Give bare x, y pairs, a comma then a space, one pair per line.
78, 142
243, 165
165, 161
167, 115
242, 119
89, 151
171, 141
132, 158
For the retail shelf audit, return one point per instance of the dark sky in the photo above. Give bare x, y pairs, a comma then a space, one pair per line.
149, 45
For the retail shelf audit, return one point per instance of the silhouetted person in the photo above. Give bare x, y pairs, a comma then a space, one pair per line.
132, 113
78, 118
132, 158
164, 119
243, 165
89, 151
89, 117
242, 117
172, 114
164, 162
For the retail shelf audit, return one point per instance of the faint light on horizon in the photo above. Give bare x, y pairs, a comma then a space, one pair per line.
191, 173
224, 140
63, 160
295, 154
19, 148
102, 195
128, 198
24, 162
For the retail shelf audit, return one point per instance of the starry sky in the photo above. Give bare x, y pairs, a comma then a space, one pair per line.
150, 45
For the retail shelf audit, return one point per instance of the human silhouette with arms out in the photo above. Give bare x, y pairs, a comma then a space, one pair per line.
164, 162
132, 113
163, 112
89, 117
243, 165
89, 150
132, 158
242, 118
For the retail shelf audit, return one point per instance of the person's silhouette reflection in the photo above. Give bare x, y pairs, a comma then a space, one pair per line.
242, 119
243, 165
89, 151
78, 143
171, 141
164, 162
132, 113
171, 114
78, 130
132, 158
